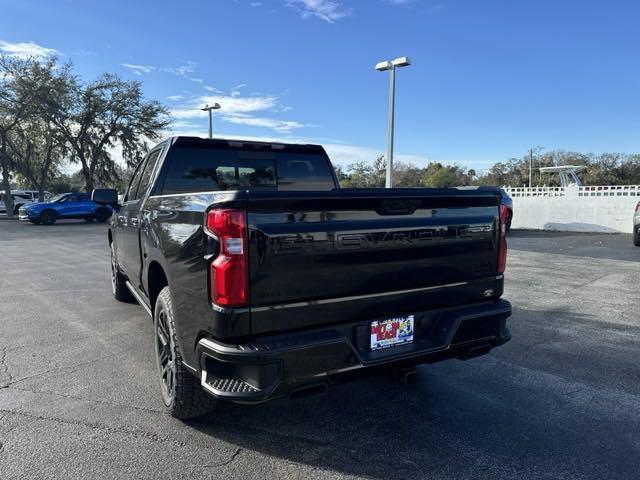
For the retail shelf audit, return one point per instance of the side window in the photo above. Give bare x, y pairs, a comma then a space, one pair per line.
146, 174
70, 198
135, 181
84, 197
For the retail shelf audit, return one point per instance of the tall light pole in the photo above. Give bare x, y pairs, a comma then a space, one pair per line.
530, 166
391, 65
208, 108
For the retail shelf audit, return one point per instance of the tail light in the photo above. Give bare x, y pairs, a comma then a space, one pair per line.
502, 239
228, 273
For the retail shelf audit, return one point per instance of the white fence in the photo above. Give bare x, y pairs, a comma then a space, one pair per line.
577, 209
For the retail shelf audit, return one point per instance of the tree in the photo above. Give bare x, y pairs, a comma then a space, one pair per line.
438, 175
38, 151
106, 113
16, 104
31, 146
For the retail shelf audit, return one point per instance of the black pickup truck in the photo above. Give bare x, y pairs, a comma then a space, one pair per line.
266, 279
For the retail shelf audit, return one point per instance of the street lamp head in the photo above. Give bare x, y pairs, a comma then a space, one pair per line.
215, 106
398, 62
382, 66
401, 62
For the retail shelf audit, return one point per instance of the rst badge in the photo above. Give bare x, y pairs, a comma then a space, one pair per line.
391, 332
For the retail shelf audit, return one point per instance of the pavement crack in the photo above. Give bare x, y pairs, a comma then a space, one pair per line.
566, 394
225, 462
68, 369
82, 399
141, 434
5, 375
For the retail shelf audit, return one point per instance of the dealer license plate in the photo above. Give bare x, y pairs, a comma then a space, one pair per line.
391, 332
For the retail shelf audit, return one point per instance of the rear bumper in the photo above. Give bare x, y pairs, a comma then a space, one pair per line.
279, 365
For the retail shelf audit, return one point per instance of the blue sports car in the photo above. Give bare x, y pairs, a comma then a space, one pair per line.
66, 205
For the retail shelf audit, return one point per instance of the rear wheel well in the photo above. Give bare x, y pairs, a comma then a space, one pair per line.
157, 281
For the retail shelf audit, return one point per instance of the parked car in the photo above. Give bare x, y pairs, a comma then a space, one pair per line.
20, 198
66, 205
265, 279
636, 226
507, 201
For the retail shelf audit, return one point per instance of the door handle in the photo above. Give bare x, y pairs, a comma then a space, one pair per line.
163, 213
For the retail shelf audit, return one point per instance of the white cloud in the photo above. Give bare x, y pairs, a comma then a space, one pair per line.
255, 4
175, 98
238, 110
328, 10
230, 105
138, 69
282, 126
26, 49
182, 70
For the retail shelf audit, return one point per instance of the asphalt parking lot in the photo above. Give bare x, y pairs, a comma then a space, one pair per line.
78, 393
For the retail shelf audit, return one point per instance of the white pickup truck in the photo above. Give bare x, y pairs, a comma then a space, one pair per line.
20, 198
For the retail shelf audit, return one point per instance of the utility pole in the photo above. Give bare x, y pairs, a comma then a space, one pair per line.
530, 166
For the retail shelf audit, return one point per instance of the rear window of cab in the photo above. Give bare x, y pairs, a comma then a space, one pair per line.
192, 170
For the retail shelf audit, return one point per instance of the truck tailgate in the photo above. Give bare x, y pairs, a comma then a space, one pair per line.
319, 258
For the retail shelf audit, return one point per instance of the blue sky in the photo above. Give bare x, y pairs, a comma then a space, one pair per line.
489, 79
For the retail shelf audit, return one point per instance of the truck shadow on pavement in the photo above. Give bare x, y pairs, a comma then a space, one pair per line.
508, 414
371, 427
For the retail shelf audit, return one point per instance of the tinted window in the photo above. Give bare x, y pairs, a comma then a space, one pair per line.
84, 197
70, 198
135, 181
304, 172
204, 170
146, 174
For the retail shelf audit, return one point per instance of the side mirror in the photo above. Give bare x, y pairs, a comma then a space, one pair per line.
105, 196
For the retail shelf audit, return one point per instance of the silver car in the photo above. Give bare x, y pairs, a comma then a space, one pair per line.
636, 226
20, 198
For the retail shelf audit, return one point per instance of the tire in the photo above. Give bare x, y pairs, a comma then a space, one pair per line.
636, 239
182, 394
118, 283
16, 210
102, 215
48, 217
